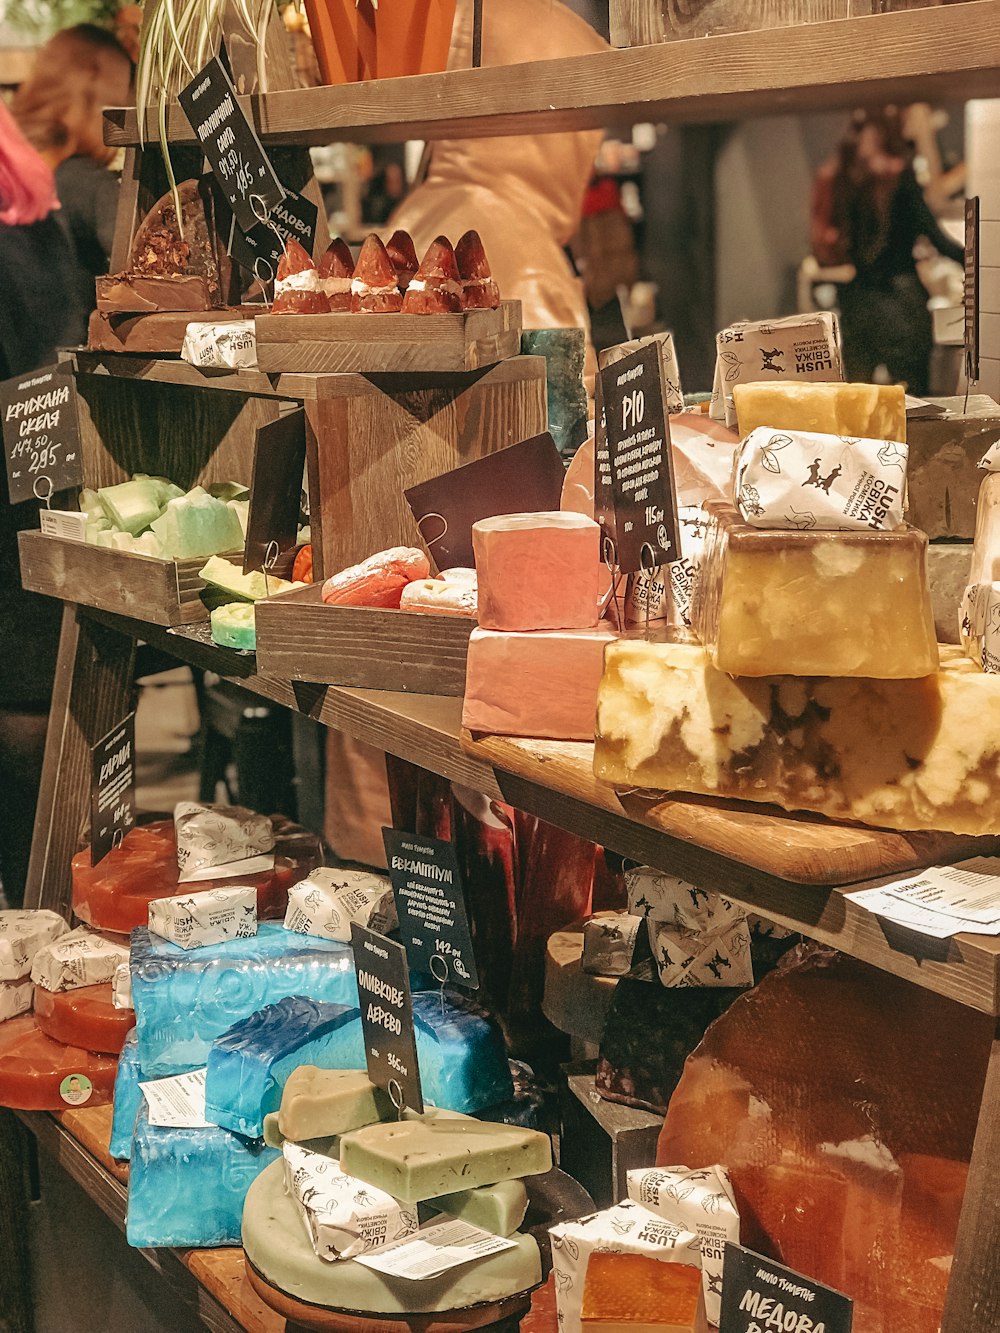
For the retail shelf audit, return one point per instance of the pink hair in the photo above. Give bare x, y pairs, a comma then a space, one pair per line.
27, 189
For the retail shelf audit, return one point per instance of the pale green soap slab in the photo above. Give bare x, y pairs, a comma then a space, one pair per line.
276, 1244
197, 524
131, 505
498, 1208
233, 625
318, 1102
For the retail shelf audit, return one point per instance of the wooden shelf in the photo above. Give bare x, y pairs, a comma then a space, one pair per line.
913, 55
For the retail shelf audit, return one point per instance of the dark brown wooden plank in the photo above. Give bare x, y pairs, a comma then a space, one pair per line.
160, 334
643, 22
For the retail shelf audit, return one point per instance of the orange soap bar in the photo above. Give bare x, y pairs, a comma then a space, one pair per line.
85, 1017
116, 893
39, 1074
640, 1294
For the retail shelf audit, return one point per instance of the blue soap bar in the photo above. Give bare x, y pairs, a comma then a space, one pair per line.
187, 1186
128, 1098
249, 1065
463, 1064
185, 998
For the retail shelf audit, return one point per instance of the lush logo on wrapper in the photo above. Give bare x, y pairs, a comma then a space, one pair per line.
760, 1296
387, 1016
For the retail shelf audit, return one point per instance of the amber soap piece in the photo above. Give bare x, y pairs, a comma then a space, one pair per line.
634, 1293
770, 603
873, 411
39, 1074
86, 1017
902, 754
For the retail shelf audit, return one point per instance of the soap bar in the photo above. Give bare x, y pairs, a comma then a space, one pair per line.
463, 1062
279, 1249
39, 1074
116, 893
187, 1186
15, 998
128, 1097
574, 1001
221, 839
537, 571
234, 626
22, 934
121, 987
327, 901
193, 920
904, 754
249, 1065
498, 1208
814, 603
796, 348
184, 1000
609, 943
640, 1292
196, 525
343, 1216
81, 958
871, 411
86, 1017
422, 1158
320, 1102
534, 684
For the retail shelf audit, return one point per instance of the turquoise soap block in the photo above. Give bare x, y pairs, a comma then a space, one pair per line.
185, 998
187, 1186
249, 1065
463, 1065
128, 1098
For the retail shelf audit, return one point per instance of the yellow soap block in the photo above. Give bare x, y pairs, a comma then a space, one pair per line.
772, 602
901, 754
635, 1293
872, 411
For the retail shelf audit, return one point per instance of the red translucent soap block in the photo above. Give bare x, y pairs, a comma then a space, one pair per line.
39, 1074
116, 893
844, 1103
85, 1017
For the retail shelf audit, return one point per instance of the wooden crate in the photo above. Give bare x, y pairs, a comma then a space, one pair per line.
647, 22
159, 334
300, 638
400, 343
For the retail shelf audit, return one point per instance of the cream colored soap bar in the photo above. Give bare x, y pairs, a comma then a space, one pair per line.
902, 754
874, 411
814, 603
499, 1208
316, 1103
986, 550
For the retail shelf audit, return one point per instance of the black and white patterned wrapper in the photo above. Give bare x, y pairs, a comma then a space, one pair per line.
668, 592
609, 943
22, 934
221, 842
16, 997
327, 901
797, 349
343, 1216
212, 916
698, 938
81, 958
228, 346
979, 625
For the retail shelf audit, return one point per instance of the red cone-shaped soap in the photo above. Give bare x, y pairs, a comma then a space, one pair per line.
39, 1074
84, 1017
116, 893
296, 286
401, 252
437, 288
336, 269
479, 291
374, 290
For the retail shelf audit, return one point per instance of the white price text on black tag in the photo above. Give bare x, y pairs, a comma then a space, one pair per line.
387, 1016
759, 1295
112, 789
259, 250
41, 433
433, 921
229, 141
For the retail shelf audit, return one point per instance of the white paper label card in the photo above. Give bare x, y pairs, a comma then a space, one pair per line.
436, 1249
178, 1102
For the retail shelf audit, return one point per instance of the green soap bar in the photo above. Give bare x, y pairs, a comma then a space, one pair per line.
497, 1208
318, 1102
329, 1146
132, 505
166, 489
233, 626
276, 1244
90, 504
422, 1158
250, 587
95, 526
197, 524
228, 490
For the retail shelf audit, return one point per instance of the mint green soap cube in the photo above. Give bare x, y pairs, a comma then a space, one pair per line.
196, 525
132, 505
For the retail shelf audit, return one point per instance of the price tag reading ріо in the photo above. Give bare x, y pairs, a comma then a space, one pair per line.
433, 921
112, 789
759, 1295
41, 433
387, 1016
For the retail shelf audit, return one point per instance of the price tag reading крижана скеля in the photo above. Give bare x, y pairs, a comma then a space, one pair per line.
41, 433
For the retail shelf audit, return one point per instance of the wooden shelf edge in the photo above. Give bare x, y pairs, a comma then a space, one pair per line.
920, 54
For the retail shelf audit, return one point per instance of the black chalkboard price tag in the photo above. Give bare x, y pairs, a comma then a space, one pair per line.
112, 789
970, 290
759, 1295
387, 1017
433, 921
276, 493
41, 433
235, 153
260, 249
634, 393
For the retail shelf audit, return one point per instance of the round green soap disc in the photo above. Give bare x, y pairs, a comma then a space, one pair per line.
233, 625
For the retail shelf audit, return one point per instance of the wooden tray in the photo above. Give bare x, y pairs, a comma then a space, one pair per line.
167, 592
157, 334
300, 638
372, 343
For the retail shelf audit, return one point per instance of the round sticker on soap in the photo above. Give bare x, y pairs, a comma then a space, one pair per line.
75, 1089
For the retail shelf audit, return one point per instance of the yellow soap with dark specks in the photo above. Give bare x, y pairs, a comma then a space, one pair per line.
872, 411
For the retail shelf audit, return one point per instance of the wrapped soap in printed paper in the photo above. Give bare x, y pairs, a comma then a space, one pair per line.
609, 943
701, 1201
81, 958
221, 841
230, 346
834, 483
698, 938
22, 934
626, 1228
979, 625
798, 348
343, 1216
669, 591
121, 987
327, 901
210, 917
15, 998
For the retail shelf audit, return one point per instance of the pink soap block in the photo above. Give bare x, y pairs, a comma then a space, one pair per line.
537, 571
538, 683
